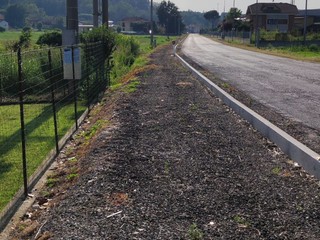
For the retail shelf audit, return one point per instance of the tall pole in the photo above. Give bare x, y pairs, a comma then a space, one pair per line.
256, 30
151, 23
72, 22
105, 13
95, 13
234, 3
305, 24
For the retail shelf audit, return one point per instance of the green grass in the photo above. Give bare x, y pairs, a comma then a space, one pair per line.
10, 36
132, 86
294, 52
194, 233
40, 141
298, 52
145, 49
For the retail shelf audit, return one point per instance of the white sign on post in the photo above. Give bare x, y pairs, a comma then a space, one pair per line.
68, 58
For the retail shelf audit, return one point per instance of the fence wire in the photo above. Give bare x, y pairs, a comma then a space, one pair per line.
38, 106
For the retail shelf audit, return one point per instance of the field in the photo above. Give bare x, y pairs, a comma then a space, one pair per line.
10, 36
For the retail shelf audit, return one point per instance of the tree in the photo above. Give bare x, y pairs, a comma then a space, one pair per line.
233, 14
39, 26
4, 3
232, 19
211, 16
16, 15
170, 17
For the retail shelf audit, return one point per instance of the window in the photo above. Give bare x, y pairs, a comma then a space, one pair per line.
277, 21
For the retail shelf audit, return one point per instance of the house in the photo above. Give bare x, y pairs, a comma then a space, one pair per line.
135, 24
313, 20
4, 24
272, 16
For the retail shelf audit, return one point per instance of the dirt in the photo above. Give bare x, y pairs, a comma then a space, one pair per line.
172, 162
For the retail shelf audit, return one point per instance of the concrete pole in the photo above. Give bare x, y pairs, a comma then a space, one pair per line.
72, 21
151, 23
105, 13
95, 13
256, 42
305, 24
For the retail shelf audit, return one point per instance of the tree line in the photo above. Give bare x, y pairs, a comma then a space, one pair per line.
51, 13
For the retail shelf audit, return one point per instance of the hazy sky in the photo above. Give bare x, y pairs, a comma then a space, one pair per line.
206, 5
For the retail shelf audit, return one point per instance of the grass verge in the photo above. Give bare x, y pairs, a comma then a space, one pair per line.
40, 140
301, 53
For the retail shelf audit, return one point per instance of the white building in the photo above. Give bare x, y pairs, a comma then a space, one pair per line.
4, 24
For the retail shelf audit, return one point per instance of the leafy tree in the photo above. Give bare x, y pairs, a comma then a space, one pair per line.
193, 18
39, 26
170, 17
16, 15
231, 19
4, 3
233, 14
33, 14
211, 16
52, 8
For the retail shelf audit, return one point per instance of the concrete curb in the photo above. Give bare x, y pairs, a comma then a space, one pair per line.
298, 152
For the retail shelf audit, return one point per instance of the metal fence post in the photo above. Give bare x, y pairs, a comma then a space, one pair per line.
52, 82
74, 90
23, 135
88, 73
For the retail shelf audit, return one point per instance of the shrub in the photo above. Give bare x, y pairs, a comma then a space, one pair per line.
52, 38
282, 37
314, 48
127, 49
101, 34
2, 29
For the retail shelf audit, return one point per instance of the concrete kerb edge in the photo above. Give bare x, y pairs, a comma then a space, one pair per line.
297, 151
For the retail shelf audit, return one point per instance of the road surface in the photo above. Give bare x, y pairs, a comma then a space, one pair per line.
291, 87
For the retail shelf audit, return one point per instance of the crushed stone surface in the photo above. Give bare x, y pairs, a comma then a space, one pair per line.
176, 156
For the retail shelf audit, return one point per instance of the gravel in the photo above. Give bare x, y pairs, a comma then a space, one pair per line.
176, 163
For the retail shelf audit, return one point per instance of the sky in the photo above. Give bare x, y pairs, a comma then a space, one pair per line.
207, 5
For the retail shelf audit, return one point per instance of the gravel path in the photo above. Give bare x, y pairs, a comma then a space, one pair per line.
176, 157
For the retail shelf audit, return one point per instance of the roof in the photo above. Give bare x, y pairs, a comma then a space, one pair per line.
310, 12
265, 8
134, 19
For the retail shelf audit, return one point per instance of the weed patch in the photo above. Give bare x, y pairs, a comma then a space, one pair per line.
195, 233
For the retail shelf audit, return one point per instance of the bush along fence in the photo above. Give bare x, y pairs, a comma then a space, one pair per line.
265, 38
43, 96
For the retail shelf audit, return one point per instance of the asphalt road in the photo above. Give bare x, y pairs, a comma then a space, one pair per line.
291, 87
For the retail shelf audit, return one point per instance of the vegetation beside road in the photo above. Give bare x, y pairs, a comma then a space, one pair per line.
304, 53
9, 37
130, 55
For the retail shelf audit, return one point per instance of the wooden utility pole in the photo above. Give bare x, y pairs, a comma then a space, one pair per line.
95, 13
105, 12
